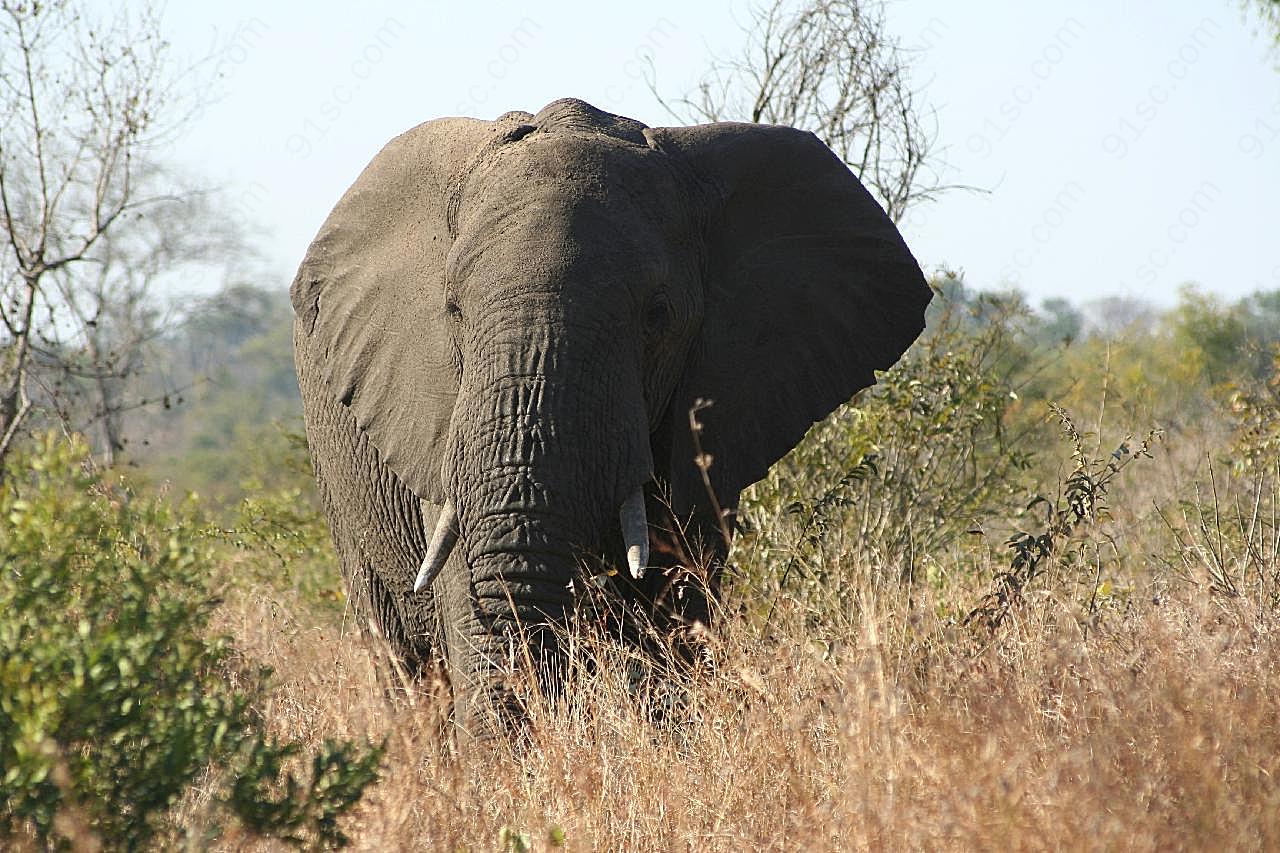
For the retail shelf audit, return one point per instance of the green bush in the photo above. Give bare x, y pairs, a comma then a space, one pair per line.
112, 696
1064, 548
282, 520
1255, 414
939, 445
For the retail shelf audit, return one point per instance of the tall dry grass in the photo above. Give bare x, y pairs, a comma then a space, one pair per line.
1124, 698
1150, 724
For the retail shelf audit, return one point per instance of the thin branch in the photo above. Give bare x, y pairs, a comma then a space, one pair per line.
829, 67
37, 132
72, 171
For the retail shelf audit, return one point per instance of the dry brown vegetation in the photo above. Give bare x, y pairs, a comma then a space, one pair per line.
959, 616
888, 671
1159, 734
1145, 720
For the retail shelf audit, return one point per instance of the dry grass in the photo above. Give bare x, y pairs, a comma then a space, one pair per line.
1127, 702
1152, 725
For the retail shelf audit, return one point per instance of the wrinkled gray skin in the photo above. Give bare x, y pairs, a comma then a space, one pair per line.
518, 315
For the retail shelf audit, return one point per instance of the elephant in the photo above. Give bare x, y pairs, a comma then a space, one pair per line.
525, 341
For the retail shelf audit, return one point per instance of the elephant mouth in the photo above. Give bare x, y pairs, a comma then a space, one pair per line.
631, 518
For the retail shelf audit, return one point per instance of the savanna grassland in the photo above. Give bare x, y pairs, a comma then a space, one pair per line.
1022, 595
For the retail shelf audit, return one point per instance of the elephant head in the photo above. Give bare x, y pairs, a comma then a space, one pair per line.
520, 314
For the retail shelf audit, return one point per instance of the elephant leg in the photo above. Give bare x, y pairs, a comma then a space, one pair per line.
374, 608
376, 524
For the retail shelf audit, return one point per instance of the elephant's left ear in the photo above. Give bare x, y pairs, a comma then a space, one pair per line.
810, 289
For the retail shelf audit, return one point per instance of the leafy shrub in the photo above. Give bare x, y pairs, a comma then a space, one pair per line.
1082, 502
1255, 410
112, 698
283, 519
937, 446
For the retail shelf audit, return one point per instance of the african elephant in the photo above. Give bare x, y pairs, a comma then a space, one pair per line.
502, 329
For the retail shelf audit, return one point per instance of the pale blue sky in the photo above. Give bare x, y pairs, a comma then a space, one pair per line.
1127, 147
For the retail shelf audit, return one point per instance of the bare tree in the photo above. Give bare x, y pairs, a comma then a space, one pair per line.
87, 222
831, 67
97, 381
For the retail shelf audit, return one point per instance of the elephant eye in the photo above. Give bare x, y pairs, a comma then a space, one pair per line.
451, 308
657, 315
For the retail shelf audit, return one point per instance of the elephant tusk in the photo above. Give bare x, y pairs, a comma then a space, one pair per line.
635, 532
442, 542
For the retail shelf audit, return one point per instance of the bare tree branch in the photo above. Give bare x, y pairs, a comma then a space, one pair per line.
89, 222
830, 67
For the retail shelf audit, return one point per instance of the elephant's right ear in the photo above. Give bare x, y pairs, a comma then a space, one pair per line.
369, 296
809, 290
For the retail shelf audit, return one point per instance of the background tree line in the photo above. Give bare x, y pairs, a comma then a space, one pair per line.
232, 352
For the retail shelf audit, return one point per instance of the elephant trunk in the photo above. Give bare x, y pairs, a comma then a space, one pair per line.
552, 449
522, 597
517, 548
